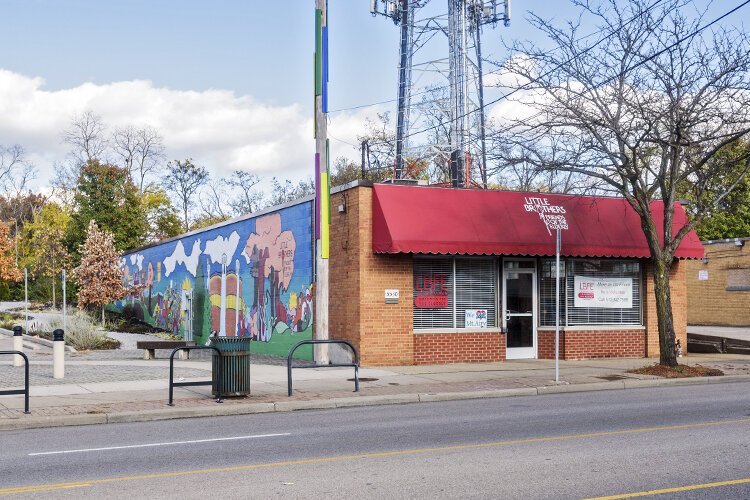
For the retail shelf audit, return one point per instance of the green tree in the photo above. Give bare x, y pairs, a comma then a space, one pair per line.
47, 254
106, 194
161, 216
730, 218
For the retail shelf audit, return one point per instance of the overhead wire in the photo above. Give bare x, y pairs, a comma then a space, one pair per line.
498, 70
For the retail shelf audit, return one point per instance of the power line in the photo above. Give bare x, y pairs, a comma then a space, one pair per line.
499, 70
619, 75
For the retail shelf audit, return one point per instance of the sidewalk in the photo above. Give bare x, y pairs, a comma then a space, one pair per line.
119, 386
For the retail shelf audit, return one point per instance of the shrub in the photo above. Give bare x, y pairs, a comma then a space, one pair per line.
82, 333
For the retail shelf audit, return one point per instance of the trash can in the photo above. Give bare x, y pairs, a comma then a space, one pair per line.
235, 366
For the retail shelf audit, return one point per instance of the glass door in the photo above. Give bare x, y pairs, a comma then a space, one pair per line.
519, 305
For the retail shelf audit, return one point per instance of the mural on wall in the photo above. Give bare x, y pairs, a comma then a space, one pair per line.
249, 278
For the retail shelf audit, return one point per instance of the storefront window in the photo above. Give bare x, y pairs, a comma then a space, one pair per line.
604, 292
592, 292
455, 293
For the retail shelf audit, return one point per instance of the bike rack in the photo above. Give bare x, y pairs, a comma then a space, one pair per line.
336, 365
173, 384
25, 390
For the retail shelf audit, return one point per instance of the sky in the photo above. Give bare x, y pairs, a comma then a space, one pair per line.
227, 83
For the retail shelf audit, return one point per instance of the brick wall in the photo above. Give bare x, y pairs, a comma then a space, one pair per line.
709, 302
587, 344
358, 312
469, 347
678, 285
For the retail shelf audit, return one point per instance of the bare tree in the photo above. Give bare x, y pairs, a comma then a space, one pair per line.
86, 135
246, 197
141, 150
183, 181
644, 111
214, 201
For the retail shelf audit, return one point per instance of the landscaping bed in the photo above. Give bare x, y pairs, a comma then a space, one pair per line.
682, 371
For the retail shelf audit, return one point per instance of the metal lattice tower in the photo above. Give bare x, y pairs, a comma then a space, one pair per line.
452, 92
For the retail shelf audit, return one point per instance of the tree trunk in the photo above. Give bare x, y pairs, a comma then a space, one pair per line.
667, 355
103, 315
53, 292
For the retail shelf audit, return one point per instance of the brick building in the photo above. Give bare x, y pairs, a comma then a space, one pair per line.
423, 275
719, 284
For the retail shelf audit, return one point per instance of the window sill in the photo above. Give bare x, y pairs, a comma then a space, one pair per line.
592, 328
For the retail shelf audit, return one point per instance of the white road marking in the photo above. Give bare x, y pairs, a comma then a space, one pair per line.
149, 445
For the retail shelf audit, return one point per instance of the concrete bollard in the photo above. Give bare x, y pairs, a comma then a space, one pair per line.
17, 345
58, 354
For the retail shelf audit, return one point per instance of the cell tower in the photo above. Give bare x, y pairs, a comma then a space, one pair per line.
460, 110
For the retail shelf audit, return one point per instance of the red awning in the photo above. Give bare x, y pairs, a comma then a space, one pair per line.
428, 220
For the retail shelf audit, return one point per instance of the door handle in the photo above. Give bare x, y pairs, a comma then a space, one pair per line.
507, 315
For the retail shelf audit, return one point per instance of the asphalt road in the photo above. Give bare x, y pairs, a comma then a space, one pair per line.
688, 442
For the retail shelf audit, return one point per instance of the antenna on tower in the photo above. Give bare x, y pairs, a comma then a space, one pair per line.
465, 124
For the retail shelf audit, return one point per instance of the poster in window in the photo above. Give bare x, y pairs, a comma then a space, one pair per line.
611, 293
475, 318
431, 291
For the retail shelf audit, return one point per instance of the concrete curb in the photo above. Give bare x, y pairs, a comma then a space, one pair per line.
217, 410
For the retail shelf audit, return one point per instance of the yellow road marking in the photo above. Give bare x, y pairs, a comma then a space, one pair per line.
49, 487
676, 489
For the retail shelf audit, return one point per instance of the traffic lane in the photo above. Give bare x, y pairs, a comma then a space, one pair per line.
569, 467
355, 430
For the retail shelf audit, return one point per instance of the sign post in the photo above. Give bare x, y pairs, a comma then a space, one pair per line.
557, 305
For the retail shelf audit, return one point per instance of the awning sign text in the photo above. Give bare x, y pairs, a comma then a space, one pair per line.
553, 216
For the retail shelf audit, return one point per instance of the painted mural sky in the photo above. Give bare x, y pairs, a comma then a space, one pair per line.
250, 278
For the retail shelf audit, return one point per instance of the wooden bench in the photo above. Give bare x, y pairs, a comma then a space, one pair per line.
150, 346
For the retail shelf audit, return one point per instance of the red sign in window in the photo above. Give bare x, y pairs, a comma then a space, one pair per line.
430, 301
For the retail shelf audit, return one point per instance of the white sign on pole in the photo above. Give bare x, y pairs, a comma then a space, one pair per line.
475, 318
612, 293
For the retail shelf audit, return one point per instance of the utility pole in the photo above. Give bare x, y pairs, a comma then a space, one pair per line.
322, 188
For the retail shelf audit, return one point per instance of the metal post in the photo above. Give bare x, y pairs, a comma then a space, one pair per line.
557, 305
17, 344
65, 303
58, 354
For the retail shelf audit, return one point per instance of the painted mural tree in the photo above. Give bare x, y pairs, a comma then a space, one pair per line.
183, 181
99, 276
8, 269
271, 255
644, 110
201, 304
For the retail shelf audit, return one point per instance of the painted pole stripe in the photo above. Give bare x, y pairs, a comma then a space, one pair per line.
318, 51
151, 445
324, 77
318, 195
341, 458
325, 208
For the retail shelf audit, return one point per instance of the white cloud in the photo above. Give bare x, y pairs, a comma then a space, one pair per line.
221, 246
216, 128
180, 257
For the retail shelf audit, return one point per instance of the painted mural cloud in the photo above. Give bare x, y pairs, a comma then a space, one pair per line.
220, 246
180, 257
137, 260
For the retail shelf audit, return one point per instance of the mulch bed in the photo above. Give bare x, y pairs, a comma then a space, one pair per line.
682, 371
